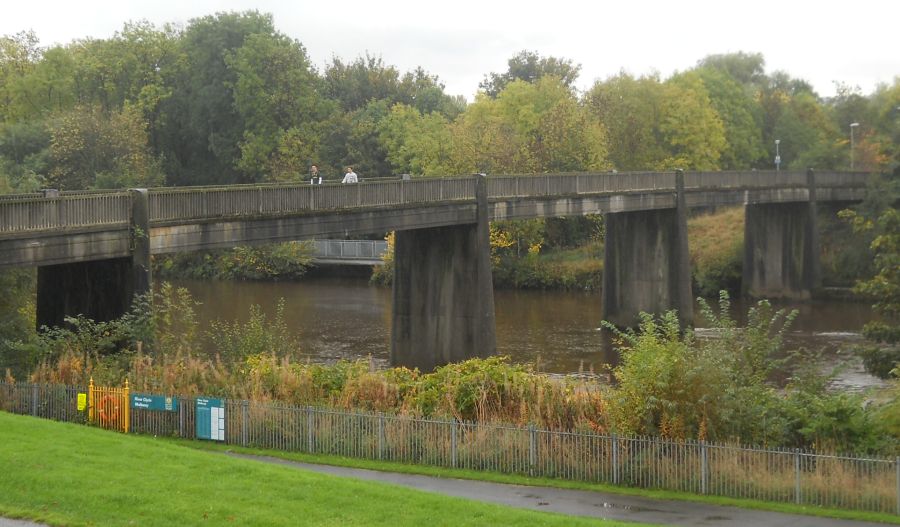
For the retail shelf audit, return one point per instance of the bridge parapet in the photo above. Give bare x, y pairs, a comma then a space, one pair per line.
185, 205
179, 204
36, 212
771, 179
541, 185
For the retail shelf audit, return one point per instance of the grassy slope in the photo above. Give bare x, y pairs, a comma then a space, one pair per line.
74, 475
716, 243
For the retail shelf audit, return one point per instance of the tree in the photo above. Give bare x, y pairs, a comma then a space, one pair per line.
24, 155
91, 148
202, 129
530, 67
537, 127
740, 116
747, 69
277, 96
415, 143
19, 54
658, 126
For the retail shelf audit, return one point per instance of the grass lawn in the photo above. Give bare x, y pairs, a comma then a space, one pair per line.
68, 474
788, 508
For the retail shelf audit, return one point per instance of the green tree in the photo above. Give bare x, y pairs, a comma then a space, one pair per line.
529, 66
201, 127
356, 84
658, 126
537, 127
91, 148
748, 69
276, 94
19, 55
415, 143
740, 116
24, 155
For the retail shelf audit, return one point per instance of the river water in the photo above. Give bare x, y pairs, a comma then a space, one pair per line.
346, 318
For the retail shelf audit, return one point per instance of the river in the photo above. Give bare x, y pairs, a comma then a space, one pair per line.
346, 318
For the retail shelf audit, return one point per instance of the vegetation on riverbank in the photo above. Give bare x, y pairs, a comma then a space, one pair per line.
282, 261
74, 475
669, 384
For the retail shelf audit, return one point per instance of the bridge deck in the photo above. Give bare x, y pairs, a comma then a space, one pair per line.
41, 229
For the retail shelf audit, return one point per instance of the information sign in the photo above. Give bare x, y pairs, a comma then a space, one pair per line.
82, 401
210, 419
159, 403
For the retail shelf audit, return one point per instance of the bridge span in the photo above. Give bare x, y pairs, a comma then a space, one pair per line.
93, 249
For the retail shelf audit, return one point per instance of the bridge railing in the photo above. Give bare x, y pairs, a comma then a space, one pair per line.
350, 249
744, 179
842, 179
185, 204
40, 213
102, 208
524, 186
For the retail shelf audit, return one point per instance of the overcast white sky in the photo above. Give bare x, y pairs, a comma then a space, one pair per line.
856, 42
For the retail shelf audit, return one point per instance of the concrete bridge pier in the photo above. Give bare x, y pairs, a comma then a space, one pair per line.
781, 249
101, 290
443, 293
646, 265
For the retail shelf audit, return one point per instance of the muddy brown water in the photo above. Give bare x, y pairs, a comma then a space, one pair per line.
346, 318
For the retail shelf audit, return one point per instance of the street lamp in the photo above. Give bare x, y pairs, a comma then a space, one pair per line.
777, 156
852, 126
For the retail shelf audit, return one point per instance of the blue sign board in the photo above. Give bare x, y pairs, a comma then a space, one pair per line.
210, 419
159, 403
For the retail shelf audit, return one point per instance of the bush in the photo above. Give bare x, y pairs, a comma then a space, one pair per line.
284, 261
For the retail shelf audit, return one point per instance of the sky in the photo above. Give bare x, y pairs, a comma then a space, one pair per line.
855, 43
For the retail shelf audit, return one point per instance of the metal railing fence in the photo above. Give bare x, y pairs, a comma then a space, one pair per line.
350, 249
30, 212
778, 475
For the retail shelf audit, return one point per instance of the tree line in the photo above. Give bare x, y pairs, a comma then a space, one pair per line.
230, 99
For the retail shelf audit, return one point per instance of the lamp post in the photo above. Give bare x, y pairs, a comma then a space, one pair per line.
852, 126
777, 155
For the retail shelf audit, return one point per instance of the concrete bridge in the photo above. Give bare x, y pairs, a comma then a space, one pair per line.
93, 249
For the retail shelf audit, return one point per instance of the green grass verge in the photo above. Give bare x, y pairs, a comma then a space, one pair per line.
66, 474
387, 466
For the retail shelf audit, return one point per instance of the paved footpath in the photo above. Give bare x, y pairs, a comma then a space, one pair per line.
580, 502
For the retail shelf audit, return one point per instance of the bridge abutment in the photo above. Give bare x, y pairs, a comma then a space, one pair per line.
443, 293
101, 290
646, 265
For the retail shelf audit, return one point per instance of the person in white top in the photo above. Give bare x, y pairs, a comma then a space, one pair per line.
350, 176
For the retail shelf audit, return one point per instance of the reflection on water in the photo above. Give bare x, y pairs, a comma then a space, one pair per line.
335, 318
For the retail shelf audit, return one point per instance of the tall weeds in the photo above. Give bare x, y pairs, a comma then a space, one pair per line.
669, 383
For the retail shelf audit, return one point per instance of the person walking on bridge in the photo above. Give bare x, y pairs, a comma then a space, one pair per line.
350, 176
314, 177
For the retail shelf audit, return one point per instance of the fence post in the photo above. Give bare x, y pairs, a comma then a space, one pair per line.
126, 392
797, 476
897, 467
91, 400
704, 469
309, 430
453, 428
381, 436
244, 422
532, 448
181, 417
34, 400
615, 459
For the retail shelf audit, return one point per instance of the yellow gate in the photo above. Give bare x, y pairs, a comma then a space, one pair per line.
108, 407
